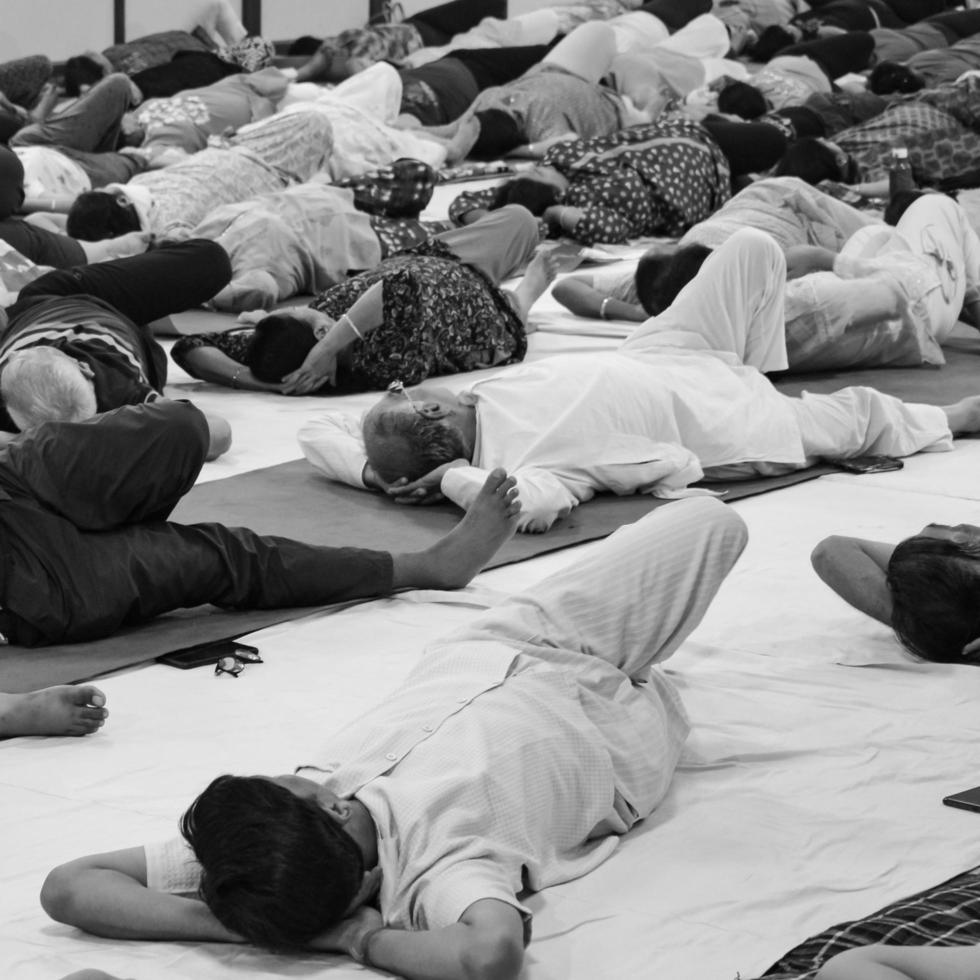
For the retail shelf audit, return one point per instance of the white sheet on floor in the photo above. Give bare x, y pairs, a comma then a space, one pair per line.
809, 793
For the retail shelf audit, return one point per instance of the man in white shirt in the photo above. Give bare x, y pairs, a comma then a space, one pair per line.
683, 397
512, 758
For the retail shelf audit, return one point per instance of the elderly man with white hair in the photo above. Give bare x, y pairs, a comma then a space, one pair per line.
76, 342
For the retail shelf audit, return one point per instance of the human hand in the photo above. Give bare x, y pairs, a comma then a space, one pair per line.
252, 316
319, 368
132, 243
426, 489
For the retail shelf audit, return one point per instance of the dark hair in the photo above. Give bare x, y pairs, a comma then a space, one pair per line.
96, 215
276, 869
810, 160
935, 590
531, 193
499, 134
659, 277
771, 41
399, 444
742, 99
890, 76
899, 203
81, 70
278, 346
10, 123
804, 120
306, 44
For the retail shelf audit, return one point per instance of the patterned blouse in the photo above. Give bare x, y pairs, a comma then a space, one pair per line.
440, 317
655, 179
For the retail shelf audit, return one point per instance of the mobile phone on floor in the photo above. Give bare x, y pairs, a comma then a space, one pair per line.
968, 799
205, 653
869, 464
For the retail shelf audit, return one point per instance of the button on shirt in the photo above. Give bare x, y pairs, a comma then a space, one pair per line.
493, 768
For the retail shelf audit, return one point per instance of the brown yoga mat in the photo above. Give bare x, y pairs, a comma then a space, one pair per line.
293, 500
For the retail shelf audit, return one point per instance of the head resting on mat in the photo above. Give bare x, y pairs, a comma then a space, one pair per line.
743, 100
499, 134
890, 76
934, 581
97, 215
11, 182
279, 346
537, 190
82, 72
663, 271
411, 432
282, 858
44, 384
813, 159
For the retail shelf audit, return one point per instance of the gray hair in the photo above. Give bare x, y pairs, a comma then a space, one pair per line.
43, 384
400, 444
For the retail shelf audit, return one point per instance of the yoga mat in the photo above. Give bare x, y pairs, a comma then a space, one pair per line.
293, 500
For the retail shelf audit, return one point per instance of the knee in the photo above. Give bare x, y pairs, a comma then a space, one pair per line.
753, 247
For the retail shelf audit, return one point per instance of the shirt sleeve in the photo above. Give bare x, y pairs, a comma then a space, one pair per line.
618, 208
172, 867
334, 445
122, 467
448, 893
544, 496
471, 201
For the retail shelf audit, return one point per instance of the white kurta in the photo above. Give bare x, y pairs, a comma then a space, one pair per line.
682, 394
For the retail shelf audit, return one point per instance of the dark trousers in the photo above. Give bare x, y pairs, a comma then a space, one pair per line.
144, 287
957, 24
440, 24
677, 13
839, 54
90, 550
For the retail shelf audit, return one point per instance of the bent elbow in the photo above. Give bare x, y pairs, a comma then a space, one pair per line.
57, 894
822, 558
493, 959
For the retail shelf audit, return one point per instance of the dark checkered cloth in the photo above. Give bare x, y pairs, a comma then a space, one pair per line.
944, 915
400, 191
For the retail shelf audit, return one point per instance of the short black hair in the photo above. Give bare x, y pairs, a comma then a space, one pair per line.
499, 134
535, 195
278, 346
659, 277
81, 70
935, 588
276, 869
742, 99
409, 445
890, 76
810, 160
771, 41
97, 215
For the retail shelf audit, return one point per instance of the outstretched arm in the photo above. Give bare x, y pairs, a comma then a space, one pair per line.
106, 895
576, 293
856, 570
487, 943
904, 963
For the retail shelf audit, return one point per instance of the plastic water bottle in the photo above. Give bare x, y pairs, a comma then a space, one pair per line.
900, 176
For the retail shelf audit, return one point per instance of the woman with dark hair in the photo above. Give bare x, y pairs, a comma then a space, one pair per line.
436, 309
927, 587
654, 179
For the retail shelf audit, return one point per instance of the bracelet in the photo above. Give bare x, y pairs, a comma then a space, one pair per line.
359, 951
350, 323
234, 377
602, 307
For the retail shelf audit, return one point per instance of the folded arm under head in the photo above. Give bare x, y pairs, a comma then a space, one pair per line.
927, 587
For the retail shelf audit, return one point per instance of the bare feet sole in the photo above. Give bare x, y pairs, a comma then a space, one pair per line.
490, 521
63, 710
538, 276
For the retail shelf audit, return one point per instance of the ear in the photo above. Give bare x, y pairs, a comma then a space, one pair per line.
972, 648
467, 398
339, 811
86, 370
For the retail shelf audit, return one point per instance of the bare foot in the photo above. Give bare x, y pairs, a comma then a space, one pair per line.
63, 710
538, 276
453, 561
964, 416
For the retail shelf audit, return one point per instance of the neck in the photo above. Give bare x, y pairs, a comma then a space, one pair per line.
362, 828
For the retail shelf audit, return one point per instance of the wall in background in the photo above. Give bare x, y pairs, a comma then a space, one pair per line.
61, 28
